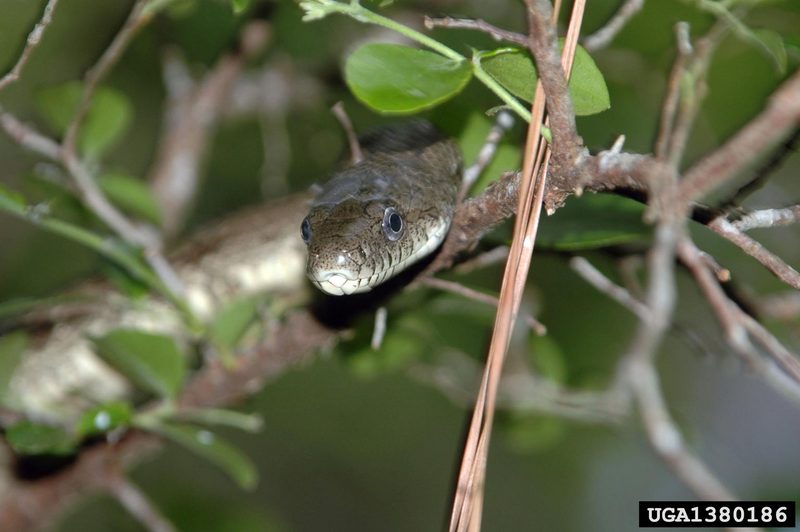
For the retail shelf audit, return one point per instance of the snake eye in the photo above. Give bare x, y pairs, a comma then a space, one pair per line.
393, 225
305, 230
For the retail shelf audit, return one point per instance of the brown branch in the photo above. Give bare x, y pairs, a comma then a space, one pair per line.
594, 277
603, 36
193, 112
737, 324
775, 123
35, 505
138, 505
356, 156
752, 247
765, 171
498, 34
566, 144
27, 137
33, 40
606, 171
768, 218
137, 18
669, 106
470, 293
503, 122
642, 377
691, 86
86, 185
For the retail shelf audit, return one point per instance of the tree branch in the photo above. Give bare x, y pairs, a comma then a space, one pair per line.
566, 144
775, 123
498, 34
603, 36
772, 262
33, 40
193, 112
35, 505
137, 18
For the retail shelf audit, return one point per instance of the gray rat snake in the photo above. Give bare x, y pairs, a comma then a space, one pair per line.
377, 217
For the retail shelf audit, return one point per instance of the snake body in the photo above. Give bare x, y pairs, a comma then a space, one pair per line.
377, 217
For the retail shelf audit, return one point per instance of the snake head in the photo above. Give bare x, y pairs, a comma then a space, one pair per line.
375, 218
355, 245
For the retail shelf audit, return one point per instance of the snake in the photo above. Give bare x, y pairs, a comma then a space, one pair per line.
376, 217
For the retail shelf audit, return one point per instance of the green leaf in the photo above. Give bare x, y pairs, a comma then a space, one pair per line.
29, 438
587, 87
11, 200
39, 215
594, 221
232, 322
152, 361
108, 117
104, 418
514, 70
211, 447
397, 79
774, 47
239, 5
132, 194
12, 347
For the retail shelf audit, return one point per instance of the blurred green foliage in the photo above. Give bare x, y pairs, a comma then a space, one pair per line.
362, 439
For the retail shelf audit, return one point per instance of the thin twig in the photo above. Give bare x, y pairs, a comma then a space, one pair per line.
691, 85
356, 155
603, 36
494, 256
723, 274
768, 218
470, 293
502, 124
666, 439
772, 125
137, 18
379, 329
737, 324
752, 247
669, 106
765, 171
30, 139
139, 506
33, 40
193, 111
85, 182
642, 377
594, 277
455, 374
498, 34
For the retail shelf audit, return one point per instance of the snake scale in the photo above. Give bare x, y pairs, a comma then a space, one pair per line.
410, 170
377, 217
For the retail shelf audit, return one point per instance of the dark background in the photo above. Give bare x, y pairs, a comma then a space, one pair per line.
356, 440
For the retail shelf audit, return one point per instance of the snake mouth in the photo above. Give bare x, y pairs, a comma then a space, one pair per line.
343, 281
339, 283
